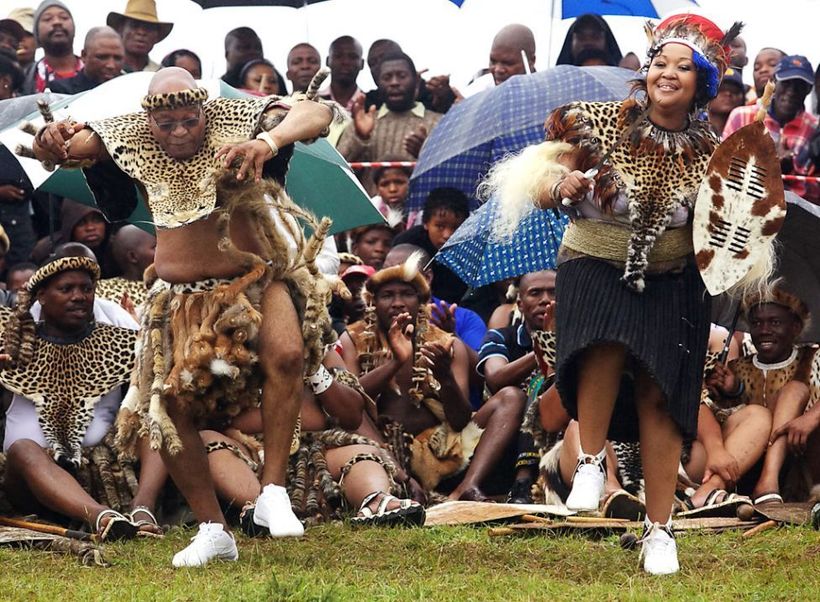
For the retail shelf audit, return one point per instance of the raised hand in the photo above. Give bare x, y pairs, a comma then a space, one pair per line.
439, 358
51, 142
414, 140
400, 337
363, 121
575, 186
444, 315
722, 381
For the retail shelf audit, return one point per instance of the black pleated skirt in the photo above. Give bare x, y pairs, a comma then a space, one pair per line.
665, 330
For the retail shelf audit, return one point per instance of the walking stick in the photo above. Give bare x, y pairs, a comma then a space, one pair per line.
45, 528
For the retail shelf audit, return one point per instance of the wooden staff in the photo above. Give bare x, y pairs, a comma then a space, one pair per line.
769, 524
45, 528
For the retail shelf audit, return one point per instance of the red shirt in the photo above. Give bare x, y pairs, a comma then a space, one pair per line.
43, 73
792, 137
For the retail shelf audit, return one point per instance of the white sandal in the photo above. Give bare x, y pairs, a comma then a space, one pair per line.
408, 512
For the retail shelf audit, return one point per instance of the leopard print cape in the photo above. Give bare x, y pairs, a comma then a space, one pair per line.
65, 382
658, 170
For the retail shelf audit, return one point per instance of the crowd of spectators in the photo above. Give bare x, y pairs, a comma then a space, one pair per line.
488, 378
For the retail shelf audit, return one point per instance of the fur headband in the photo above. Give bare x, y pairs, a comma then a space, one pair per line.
174, 100
409, 272
58, 266
778, 296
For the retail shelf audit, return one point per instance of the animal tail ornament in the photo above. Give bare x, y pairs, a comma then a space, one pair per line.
521, 182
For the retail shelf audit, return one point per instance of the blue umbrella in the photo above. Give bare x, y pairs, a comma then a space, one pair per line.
478, 258
479, 131
654, 9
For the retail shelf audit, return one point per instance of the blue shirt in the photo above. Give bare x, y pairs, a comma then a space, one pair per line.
470, 328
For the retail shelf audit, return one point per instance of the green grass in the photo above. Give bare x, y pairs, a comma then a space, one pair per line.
335, 562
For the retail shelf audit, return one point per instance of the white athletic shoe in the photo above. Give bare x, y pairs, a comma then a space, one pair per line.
212, 542
587, 483
273, 511
659, 550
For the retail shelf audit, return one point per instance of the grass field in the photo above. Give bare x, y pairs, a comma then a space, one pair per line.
335, 562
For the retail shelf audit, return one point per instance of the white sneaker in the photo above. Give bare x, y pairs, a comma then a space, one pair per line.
587, 483
659, 550
212, 542
273, 511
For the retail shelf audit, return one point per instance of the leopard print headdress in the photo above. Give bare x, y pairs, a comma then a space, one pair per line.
174, 100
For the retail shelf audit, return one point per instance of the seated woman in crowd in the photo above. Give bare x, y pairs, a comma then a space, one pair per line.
66, 372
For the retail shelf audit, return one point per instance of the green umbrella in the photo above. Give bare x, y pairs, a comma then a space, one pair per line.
319, 179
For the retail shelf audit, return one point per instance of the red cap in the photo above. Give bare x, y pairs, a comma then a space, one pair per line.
362, 270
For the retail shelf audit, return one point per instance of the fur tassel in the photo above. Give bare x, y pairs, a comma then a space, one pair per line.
521, 183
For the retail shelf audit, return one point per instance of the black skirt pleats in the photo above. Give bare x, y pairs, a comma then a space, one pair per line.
665, 330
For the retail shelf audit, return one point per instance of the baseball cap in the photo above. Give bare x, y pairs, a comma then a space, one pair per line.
794, 66
734, 76
361, 270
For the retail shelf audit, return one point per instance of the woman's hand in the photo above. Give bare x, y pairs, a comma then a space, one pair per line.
574, 187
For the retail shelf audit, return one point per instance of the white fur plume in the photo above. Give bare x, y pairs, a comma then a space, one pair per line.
412, 266
520, 182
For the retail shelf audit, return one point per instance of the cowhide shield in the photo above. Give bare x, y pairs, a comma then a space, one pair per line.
740, 207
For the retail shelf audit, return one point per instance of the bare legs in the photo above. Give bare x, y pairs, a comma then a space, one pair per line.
280, 355
599, 378
189, 468
569, 458
745, 436
660, 449
31, 470
500, 418
790, 403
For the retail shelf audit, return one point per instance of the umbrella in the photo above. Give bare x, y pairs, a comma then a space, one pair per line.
478, 259
798, 258
318, 179
482, 129
798, 264
654, 9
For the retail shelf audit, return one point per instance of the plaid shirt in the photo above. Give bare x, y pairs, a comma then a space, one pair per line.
792, 137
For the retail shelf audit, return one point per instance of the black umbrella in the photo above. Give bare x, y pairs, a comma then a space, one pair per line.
291, 3
798, 264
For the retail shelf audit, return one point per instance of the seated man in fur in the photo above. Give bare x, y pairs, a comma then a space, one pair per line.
783, 378
232, 318
66, 369
418, 376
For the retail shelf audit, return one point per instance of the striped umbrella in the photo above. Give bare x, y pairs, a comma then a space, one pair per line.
482, 129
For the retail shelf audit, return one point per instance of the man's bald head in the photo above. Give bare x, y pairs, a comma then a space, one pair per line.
96, 33
506, 53
171, 79
103, 54
516, 36
133, 250
400, 253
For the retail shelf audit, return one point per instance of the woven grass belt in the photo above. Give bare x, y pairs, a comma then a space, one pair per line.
610, 241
